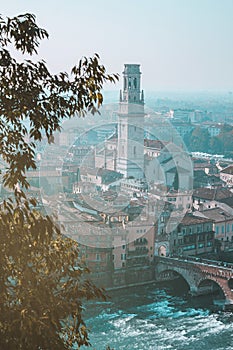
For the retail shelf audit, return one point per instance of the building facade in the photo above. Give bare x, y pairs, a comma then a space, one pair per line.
193, 236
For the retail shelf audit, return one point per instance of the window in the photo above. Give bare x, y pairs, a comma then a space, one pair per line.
134, 150
123, 256
217, 230
135, 83
129, 85
123, 247
97, 257
189, 247
222, 229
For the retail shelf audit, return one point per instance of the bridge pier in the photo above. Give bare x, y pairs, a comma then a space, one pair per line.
228, 305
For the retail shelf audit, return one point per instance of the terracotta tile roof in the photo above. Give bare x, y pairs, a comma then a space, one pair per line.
228, 201
190, 219
217, 214
228, 170
212, 193
157, 144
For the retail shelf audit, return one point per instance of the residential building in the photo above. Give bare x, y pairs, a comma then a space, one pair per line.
194, 235
223, 225
226, 175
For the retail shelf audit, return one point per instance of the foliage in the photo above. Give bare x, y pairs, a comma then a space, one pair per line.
225, 140
29, 91
41, 283
42, 280
200, 140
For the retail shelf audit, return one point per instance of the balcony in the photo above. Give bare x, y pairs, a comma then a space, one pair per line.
140, 242
138, 253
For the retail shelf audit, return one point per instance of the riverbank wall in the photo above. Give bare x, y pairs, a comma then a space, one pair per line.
123, 278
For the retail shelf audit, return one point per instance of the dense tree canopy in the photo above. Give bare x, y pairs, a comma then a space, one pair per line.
42, 280
200, 140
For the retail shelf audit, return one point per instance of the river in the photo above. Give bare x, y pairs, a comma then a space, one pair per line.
157, 318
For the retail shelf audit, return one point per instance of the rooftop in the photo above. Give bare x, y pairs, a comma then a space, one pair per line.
217, 214
156, 144
212, 193
228, 170
190, 219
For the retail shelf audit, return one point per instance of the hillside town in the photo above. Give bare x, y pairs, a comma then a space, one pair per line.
130, 189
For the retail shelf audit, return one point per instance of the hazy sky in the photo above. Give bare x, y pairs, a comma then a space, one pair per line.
180, 44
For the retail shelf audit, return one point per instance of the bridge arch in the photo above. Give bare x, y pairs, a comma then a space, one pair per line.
171, 274
230, 283
211, 286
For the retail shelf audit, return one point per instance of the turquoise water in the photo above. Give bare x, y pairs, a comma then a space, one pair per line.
153, 319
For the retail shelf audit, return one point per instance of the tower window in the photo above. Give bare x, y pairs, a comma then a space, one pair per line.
125, 84
135, 83
134, 150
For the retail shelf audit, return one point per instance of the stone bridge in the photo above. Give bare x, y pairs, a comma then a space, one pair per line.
201, 276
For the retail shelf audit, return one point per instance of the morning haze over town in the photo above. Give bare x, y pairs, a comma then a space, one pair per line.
146, 186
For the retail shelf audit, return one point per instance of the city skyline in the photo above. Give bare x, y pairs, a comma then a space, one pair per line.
180, 45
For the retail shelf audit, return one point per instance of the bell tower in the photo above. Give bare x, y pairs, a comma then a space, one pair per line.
130, 161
